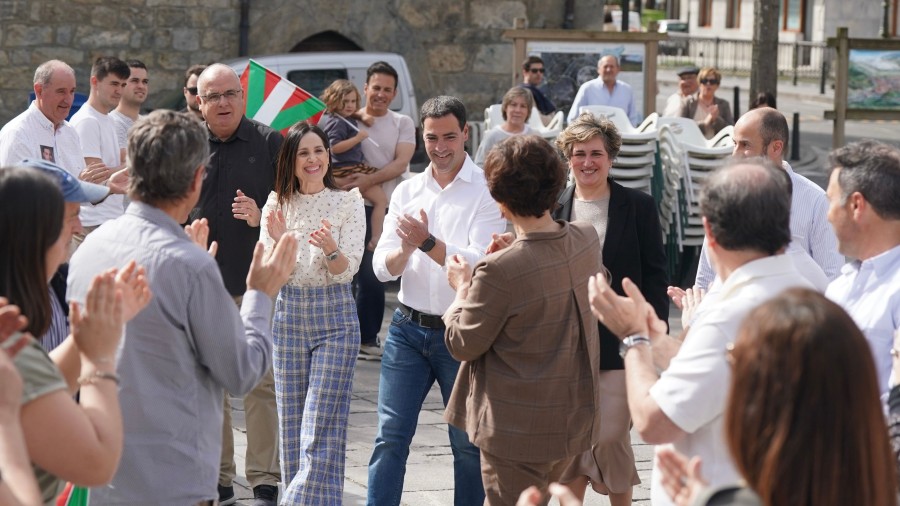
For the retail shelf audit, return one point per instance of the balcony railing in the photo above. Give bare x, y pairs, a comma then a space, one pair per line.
797, 60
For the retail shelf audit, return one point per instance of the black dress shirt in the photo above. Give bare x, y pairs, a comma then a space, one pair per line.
246, 162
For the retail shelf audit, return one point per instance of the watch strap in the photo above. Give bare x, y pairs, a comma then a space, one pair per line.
429, 244
632, 341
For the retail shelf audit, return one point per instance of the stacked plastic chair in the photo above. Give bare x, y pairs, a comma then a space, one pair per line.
493, 116
634, 166
687, 159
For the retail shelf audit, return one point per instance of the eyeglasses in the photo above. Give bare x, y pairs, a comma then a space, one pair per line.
536, 71
712, 82
228, 95
193, 90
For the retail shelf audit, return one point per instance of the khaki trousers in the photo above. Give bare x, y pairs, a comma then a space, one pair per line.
261, 416
504, 480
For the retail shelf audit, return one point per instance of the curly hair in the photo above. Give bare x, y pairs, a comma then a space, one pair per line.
525, 175
586, 127
333, 96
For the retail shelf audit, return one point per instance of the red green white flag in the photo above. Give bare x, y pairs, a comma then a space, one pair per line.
275, 101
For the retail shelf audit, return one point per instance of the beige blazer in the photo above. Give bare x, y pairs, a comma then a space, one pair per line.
527, 388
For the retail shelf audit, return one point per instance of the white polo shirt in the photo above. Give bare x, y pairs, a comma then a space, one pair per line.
693, 391
97, 132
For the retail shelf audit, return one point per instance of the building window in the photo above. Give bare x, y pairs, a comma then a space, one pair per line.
705, 13
733, 14
792, 15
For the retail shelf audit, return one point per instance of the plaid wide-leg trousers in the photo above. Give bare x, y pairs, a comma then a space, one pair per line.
316, 335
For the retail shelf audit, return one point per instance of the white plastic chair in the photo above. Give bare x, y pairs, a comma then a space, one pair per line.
617, 116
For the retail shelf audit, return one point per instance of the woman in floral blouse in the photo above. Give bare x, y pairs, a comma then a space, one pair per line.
315, 326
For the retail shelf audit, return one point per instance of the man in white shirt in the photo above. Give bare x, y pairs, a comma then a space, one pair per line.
864, 198
687, 86
446, 210
97, 135
42, 132
606, 90
133, 97
764, 132
746, 215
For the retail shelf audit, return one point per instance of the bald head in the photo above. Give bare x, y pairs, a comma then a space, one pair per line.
761, 132
221, 99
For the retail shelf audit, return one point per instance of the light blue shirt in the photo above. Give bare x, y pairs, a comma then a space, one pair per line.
869, 291
594, 92
177, 356
810, 230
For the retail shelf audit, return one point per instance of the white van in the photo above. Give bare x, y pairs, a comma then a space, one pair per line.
314, 71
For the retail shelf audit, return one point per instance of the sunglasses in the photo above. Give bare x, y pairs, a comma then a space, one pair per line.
536, 71
709, 81
192, 91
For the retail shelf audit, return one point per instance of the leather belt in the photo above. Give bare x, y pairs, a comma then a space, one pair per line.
429, 321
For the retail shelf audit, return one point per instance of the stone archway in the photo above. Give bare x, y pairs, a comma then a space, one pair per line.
328, 40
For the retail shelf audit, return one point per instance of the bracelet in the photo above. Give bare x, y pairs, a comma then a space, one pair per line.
91, 379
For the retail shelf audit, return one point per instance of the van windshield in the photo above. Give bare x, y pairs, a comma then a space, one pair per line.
315, 81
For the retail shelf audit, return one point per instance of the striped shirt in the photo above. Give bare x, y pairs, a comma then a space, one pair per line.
810, 230
177, 356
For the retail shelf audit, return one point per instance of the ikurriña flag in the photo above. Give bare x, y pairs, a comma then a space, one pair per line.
275, 101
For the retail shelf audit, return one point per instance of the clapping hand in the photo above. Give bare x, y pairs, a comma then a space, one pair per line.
12, 340
245, 208
459, 272
500, 241
132, 283
198, 231
97, 325
276, 226
323, 239
623, 316
680, 477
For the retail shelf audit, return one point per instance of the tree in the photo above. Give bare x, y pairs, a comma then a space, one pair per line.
764, 71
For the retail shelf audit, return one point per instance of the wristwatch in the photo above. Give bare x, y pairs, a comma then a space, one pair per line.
428, 244
333, 256
632, 341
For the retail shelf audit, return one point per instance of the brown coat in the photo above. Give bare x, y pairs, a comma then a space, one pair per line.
527, 389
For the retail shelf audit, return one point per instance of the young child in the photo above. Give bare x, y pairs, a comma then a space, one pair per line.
342, 100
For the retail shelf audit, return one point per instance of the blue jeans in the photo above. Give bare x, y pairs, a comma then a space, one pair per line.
414, 357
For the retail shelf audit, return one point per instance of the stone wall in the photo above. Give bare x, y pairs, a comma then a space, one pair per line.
167, 35
452, 47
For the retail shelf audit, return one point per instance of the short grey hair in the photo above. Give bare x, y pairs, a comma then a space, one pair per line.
44, 72
872, 169
213, 70
165, 148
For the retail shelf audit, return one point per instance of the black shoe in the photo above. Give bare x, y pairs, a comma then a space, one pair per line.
226, 495
265, 495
